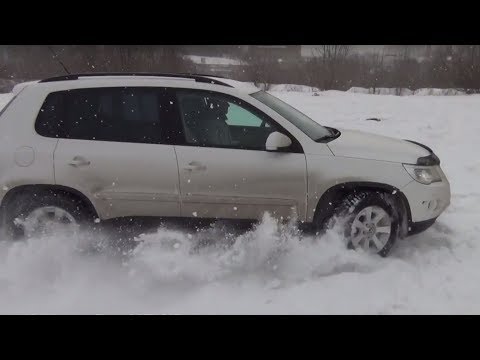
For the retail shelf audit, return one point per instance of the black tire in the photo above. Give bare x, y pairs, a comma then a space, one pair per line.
24, 203
347, 209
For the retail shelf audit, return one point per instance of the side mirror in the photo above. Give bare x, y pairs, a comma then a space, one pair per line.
277, 141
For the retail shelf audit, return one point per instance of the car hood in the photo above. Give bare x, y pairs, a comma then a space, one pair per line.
363, 145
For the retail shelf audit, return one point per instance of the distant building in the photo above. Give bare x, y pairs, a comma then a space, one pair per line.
233, 51
283, 53
286, 53
231, 61
215, 65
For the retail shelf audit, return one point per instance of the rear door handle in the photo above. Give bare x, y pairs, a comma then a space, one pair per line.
79, 161
195, 166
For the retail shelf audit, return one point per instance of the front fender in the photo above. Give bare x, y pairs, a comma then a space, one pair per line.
328, 172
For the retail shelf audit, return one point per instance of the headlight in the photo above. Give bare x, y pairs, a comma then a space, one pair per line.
424, 175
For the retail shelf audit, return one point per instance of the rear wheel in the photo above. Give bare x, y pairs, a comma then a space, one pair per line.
368, 221
45, 214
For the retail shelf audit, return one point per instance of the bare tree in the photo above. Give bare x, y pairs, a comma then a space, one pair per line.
326, 64
315, 72
376, 70
262, 68
465, 65
133, 58
333, 57
439, 70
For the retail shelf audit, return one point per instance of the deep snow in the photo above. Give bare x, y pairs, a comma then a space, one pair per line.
269, 270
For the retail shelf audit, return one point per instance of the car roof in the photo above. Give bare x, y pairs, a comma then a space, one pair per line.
20, 86
244, 87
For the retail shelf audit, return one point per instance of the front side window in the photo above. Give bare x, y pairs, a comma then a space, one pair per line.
216, 120
135, 115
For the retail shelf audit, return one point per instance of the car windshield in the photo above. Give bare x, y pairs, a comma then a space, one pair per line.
311, 128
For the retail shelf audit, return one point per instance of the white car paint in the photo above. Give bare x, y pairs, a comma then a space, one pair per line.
144, 179
362, 145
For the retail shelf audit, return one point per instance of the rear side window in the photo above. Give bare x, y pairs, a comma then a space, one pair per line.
138, 115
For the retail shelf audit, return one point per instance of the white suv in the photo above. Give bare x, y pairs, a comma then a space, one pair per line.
81, 148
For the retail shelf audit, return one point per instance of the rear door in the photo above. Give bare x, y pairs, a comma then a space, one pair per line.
112, 148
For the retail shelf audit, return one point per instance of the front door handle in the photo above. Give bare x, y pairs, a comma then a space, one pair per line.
79, 161
195, 166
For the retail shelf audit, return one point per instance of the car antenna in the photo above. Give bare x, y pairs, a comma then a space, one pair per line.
60, 61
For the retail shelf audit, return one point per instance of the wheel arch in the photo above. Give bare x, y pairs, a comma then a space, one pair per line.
330, 198
12, 194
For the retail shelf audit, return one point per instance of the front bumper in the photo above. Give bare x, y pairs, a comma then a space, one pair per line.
427, 202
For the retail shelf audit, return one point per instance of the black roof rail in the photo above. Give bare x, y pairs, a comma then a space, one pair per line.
196, 77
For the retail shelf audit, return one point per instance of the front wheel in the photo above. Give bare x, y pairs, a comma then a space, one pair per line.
368, 221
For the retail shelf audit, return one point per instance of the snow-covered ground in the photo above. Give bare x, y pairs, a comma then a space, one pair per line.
292, 88
406, 92
269, 270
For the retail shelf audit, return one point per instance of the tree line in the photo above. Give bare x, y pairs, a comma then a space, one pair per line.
334, 66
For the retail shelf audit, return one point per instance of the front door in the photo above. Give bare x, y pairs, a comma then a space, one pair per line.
224, 169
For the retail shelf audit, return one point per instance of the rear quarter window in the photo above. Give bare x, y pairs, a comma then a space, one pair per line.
50, 117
